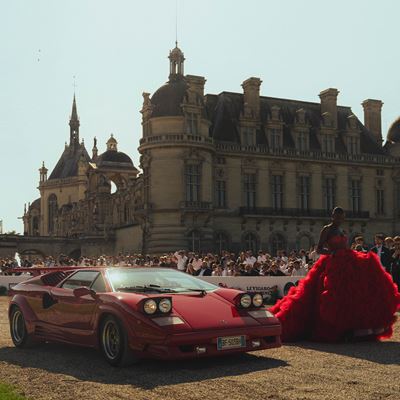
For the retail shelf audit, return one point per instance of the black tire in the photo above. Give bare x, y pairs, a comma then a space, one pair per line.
18, 331
114, 343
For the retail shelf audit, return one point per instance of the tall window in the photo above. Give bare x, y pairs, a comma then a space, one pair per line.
248, 135
304, 192
275, 138
192, 127
221, 242
277, 192
221, 194
330, 193
380, 201
355, 195
278, 242
250, 190
192, 173
302, 141
52, 212
327, 143
353, 145
194, 241
250, 242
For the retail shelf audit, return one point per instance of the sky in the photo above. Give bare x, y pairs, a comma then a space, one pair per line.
118, 49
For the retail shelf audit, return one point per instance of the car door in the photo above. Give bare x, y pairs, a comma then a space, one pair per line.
74, 314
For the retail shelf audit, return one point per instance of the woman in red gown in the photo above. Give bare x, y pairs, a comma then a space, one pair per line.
346, 295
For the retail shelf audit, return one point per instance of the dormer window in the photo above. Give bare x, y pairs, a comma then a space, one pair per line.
353, 144
248, 136
327, 143
275, 138
192, 125
302, 141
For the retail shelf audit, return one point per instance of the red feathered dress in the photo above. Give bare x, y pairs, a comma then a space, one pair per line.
345, 295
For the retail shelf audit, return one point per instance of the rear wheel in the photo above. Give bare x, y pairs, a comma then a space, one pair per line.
19, 333
114, 343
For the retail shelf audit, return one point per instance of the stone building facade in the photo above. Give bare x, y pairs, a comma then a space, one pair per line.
228, 171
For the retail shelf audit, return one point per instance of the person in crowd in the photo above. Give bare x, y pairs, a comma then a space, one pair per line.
382, 252
303, 256
298, 268
389, 242
249, 259
359, 244
262, 257
181, 260
314, 254
396, 261
274, 270
205, 270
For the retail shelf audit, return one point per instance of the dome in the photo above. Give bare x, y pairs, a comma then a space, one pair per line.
112, 156
394, 132
167, 100
35, 205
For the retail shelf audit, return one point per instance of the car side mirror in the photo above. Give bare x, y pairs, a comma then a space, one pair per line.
84, 291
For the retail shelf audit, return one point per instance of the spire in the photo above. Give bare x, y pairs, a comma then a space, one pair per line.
74, 125
94, 149
176, 62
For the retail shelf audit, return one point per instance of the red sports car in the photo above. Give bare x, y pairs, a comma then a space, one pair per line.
133, 313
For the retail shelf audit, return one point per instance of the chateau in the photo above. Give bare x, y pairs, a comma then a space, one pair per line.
221, 171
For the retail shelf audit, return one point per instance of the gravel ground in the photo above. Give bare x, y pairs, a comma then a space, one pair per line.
305, 371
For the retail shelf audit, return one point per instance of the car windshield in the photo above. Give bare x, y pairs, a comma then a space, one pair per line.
156, 280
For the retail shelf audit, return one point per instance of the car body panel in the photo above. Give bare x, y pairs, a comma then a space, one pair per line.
54, 313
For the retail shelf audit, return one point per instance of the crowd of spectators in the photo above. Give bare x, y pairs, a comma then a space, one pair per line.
295, 263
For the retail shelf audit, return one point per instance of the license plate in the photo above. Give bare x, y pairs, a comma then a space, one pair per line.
231, 342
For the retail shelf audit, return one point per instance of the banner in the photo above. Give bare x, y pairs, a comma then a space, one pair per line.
266, 285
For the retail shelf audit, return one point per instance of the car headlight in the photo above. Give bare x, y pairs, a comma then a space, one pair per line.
150, 306
258, 300
245, 301
165, 305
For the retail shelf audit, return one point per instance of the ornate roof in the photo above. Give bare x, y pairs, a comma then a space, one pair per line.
67, 165
394, 132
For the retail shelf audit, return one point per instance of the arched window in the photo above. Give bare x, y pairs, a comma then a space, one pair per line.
194, 241
52, 212
35, 225
221, 242
250, 242
304, 242
278, 242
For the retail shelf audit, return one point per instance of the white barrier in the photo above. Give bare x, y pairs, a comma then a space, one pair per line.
10, 281
261, 284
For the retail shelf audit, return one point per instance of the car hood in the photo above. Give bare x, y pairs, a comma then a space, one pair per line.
210, 312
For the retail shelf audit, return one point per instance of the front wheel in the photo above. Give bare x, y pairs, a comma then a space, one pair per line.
114, 343
18, 331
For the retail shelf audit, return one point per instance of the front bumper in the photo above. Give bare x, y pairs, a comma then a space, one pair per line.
187, 345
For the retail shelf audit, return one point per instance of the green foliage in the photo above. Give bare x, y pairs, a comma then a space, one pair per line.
3, 292
8, 393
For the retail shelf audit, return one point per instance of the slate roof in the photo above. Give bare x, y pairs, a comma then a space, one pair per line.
394, 132
224, 112
67, 165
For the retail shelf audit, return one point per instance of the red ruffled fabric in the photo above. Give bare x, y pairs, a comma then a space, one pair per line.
343, 293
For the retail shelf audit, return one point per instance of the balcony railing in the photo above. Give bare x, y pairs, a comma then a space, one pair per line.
298, 212
196, 205
175, 137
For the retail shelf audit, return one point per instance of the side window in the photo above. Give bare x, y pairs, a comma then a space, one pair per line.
99, 285
79, 279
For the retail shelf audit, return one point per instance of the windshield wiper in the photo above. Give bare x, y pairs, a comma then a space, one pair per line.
149, 288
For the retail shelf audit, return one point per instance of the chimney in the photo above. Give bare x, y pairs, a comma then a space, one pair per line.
196, 83
251, 91
329, 104
372, 117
